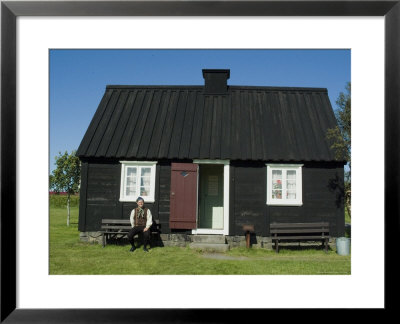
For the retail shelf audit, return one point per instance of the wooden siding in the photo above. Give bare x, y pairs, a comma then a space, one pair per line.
249, 197
322, 197
164, 188
82, 197
100, 190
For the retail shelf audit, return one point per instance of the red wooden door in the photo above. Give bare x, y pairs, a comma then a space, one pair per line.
183, 197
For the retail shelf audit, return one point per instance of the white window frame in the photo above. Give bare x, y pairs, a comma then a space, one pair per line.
299, 185
138, 165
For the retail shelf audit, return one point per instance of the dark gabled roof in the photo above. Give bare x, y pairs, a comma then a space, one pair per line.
182, 122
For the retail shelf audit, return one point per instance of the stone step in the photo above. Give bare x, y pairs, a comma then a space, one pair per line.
205, 238
210, 247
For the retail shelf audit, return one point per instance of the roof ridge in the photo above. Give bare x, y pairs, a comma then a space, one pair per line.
233, 87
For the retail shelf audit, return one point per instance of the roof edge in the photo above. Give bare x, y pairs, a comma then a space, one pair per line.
233, 87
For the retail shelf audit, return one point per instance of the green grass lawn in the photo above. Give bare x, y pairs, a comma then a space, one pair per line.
70, 256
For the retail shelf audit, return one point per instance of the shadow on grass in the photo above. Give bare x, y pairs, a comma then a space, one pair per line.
138, 242
302, 248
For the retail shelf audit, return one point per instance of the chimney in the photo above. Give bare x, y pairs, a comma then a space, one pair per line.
215, 81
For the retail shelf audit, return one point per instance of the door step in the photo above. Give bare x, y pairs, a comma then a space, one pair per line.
207, 242
209, 239
216, 247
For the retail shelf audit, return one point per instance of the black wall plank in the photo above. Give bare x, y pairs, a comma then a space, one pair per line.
82, 197
102, 194
164, 197
249, 197
322, 197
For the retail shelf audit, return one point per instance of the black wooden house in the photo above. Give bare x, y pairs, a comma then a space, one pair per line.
208, 159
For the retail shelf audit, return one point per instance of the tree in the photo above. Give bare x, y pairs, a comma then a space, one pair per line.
51, 183
341, 139
66, 177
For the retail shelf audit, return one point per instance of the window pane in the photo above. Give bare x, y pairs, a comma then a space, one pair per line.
291, 174
144, 191
145, 181
276, 194
131, 182
291, 184
277, 184
276, 179
131, 171
291, 194
146, 172
276, 174
130, 191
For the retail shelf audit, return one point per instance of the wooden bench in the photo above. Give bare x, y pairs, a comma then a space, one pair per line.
118, 228
300, 232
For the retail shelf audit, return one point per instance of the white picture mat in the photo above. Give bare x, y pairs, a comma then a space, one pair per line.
363, 288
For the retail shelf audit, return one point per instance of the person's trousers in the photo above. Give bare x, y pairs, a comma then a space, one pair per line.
136, 230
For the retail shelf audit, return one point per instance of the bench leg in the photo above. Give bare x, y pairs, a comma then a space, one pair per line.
104, 239
276, 246
326, 245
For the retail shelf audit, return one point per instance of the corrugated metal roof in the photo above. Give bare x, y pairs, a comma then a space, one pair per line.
181, 122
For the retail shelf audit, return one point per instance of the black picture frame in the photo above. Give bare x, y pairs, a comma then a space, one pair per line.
10, 10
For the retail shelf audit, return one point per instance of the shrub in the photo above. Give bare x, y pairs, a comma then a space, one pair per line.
60, 201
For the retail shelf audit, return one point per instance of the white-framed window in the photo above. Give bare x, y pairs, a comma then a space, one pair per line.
138, 178
284, 184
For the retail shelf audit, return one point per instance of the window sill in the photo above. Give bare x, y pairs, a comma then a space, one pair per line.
298, 204
150, 200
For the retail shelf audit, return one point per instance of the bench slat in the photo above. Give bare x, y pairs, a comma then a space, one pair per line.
123, 231
127, 227
305, 230
319, 237
298, 225
123, 221
115, 221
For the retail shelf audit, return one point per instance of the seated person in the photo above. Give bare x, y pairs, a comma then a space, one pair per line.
141, 220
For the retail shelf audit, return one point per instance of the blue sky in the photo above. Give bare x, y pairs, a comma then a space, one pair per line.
78, 78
